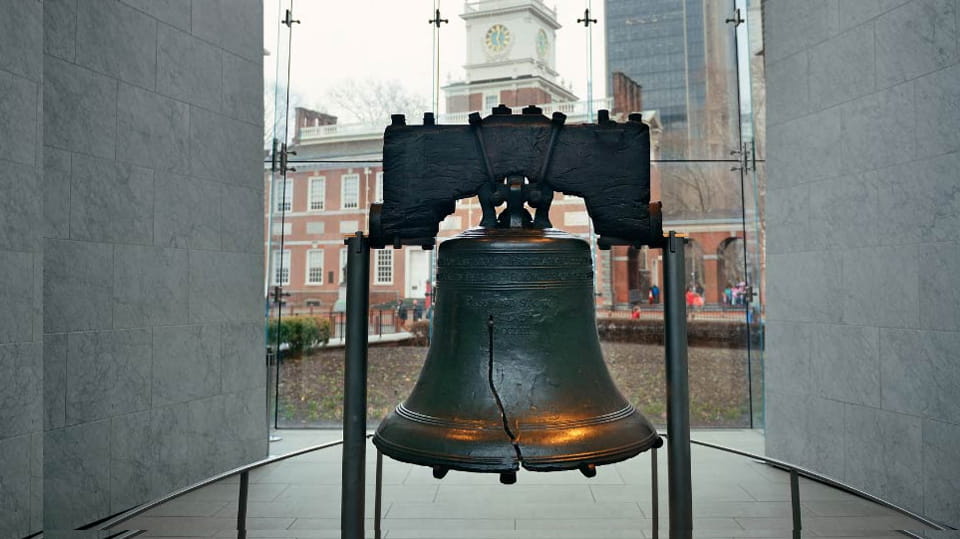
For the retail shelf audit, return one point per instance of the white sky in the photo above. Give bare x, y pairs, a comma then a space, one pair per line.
392, 40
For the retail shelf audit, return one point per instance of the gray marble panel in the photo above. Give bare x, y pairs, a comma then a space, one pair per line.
79, 109
19, 207
188, 68
788, 219
77, 286
863, 448
36, 481
860, 11
798, 25
880, 287
15, 460
846, 364
60, 28
242, 224
108, 374
117, 40
842, 67
906, 372
54, 380
186, 363
805, 430
110, 201
244, 421
186, 451
149, 286
235, 25
242, 89
844, 212
824, 426
806, 149
153, 131
56, 193
242, 359
187, 212
917, 38
871, 139
21, 389
17, 297
941, 460
18, 118
225, 149
788, 88
173, 12
76, 482
940, 286
938, 112
804, 287
133, 461
920, 201
787, 367
21, 39
225, 286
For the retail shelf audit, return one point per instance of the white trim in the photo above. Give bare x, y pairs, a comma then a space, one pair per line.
281, 268
310, 192
378, 187
378, 262
343, 191
306, 278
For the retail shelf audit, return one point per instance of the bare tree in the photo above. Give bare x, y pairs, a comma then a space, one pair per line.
374, 100
275, 99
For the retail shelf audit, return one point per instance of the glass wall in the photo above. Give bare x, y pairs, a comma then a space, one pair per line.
337, 72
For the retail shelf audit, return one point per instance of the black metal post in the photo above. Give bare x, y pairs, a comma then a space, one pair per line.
355, 387
655, 504
795, 501
678, 391
242, 505
378, 500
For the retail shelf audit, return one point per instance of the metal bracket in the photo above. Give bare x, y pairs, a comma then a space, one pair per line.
283, 158
586, 20
436, 20
737, 20
288, 19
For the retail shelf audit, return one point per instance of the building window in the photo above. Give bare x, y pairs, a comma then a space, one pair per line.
343, 265
283, 195
315, 227
384, 274
378, 191
285, 229
350, 191
281, 267
490, 101
318, 187
315, 266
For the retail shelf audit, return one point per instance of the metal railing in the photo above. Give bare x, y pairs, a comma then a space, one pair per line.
795, 473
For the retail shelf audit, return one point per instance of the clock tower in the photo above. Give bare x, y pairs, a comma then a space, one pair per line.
511, 57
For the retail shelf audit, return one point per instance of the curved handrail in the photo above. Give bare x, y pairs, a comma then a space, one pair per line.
820, 478
140, 509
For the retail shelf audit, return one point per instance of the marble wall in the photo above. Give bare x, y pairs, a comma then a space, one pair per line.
21, 265
863, 216
131, 338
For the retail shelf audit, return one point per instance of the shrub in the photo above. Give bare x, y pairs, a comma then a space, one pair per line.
421, 333
300, 332
711, 333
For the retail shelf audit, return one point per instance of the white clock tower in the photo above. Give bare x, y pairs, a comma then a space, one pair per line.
511, 56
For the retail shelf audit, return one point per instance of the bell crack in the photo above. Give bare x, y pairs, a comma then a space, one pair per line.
496, 395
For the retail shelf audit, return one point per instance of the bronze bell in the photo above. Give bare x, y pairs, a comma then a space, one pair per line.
514, 374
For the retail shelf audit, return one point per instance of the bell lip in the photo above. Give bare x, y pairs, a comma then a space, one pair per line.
598, 458
475, 464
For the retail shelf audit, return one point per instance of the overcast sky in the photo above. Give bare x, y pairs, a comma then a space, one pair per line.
392, 40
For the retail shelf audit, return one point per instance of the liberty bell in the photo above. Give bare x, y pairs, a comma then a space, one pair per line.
514, 375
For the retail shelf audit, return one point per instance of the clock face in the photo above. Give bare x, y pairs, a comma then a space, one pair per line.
543, 44
498, 38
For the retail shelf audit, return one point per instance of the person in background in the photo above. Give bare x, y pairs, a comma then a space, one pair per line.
635, 313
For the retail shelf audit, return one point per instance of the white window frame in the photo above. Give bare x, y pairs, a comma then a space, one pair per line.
312, 192
355, 204
283, 197
383, 270
314, 262
378, 189
343, 264
281, 268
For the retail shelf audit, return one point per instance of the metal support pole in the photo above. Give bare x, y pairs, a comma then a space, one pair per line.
355, 387
678, 391
655, 504
795, 501
378, 500
242, 505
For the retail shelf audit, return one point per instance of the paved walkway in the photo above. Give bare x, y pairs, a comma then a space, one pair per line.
733, 497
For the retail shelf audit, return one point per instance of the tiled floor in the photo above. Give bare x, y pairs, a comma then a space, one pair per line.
733, 497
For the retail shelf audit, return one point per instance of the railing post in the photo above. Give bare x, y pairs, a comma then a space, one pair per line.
355, 387
678, 390
795, 501
242, 505
655, 500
